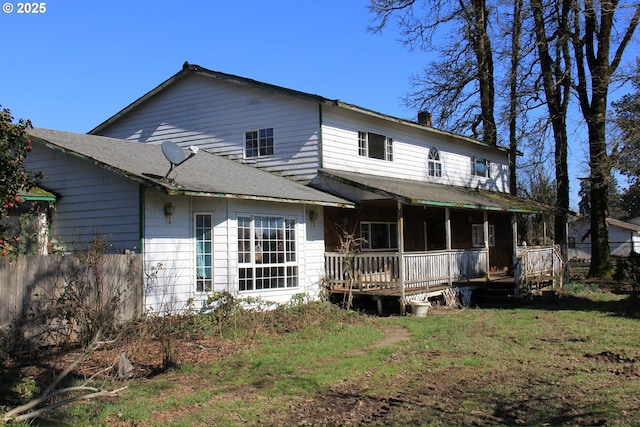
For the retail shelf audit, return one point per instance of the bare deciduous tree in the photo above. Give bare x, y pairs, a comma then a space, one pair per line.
601, 32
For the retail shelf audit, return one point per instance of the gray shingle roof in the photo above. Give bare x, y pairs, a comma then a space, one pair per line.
205, 174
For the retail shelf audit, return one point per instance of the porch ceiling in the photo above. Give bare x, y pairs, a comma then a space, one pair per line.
421, 193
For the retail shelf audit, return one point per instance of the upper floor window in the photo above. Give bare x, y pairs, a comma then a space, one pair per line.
258, 143
480, 167
379, 235
375, 146
434, 165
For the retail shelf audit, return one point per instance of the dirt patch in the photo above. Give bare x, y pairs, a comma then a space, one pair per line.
442, 391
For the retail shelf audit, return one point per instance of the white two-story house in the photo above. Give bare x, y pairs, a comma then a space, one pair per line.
426, 208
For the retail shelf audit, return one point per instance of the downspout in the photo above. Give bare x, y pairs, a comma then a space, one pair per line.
229, 276
141, 219
320, 144
141, 224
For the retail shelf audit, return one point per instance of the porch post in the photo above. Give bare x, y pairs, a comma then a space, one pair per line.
485, 220
401, 256
514, 229
447, 227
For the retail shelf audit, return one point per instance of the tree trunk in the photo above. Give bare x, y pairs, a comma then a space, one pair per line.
600, 172
513, 95
557, 85
592, 47
484, 57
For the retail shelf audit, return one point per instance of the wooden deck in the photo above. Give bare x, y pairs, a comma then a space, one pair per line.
394, 290
427, 274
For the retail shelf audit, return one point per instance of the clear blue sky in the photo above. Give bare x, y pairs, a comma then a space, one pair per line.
80, 62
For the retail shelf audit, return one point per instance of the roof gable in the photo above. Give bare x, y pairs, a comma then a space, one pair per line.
193, 69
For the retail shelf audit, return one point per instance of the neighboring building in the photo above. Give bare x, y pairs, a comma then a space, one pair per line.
431, 208
624, 237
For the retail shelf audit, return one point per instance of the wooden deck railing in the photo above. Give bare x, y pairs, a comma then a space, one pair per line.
381, 270
539, 264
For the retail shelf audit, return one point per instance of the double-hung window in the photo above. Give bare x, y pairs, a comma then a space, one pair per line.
379, 235
477, 235
258, 143
204, 252
480, 167
434, 165
267, 252
375, 146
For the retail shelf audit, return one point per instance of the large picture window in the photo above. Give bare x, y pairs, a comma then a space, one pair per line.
258, 143
379, 235
267, 253
375, 146
204, 252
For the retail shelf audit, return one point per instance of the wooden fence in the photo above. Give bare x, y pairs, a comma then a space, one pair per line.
30, 282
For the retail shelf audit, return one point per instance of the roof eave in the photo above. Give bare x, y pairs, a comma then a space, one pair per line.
260, 198
172, 190
179, 75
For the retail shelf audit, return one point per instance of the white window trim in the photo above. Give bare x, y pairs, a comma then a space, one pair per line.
436, 162
363, 150
474, 162
254, 255
208, 284
244, 145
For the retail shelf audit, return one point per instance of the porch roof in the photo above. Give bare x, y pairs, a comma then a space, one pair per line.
412, 192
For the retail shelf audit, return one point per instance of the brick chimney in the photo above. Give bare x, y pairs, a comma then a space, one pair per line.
424, 118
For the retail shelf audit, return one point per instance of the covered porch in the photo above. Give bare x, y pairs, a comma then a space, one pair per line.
412, 240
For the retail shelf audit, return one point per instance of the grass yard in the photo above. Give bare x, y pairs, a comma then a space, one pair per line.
574, 360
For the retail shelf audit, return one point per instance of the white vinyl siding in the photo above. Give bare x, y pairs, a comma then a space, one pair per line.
342, 146
174, 248
105, 205
214, 114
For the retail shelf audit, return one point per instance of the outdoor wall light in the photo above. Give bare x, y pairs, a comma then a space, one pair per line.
313, 215
169, 209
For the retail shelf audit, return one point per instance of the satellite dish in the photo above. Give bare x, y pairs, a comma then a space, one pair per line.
175, 154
